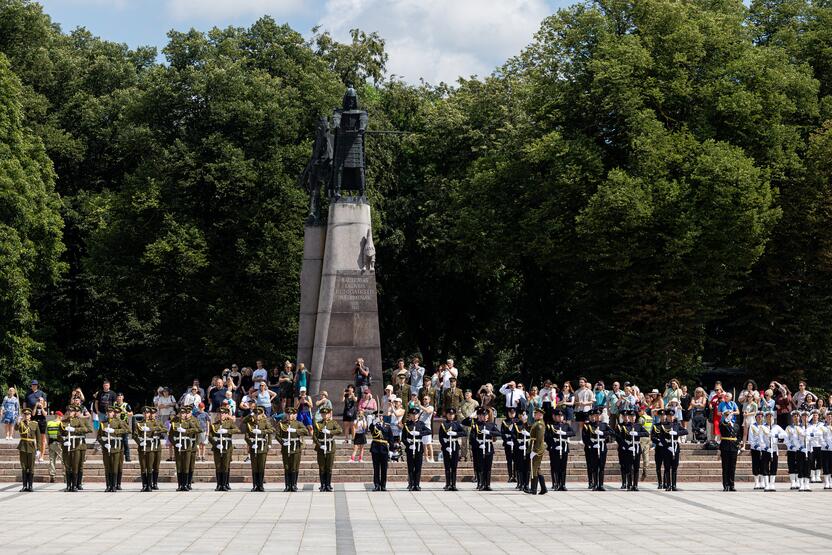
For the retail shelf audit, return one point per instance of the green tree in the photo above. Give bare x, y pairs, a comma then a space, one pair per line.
30, 232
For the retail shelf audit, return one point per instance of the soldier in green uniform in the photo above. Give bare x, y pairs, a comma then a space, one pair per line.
109, 436
148, 437
325, 433
74, 430
290, 433
453, 397
185, 431
28, 446
220, 435
536, 450
258, 432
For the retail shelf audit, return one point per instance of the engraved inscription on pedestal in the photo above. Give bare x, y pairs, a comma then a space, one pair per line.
355, 291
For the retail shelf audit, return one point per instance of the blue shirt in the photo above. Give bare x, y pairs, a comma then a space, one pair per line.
727, 406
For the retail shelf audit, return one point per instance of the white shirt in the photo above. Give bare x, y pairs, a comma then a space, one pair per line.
584, 399
447, 374
191, 399
771, 445
260, 375
512, 396
417, 374
756, 437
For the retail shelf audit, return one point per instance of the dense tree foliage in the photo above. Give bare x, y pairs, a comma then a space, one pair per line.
643, 190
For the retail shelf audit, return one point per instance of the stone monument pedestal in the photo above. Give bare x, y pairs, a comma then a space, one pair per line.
346, 306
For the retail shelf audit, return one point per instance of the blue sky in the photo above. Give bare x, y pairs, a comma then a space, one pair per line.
431, 39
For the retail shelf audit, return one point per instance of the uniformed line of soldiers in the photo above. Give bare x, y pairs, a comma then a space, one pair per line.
808, 442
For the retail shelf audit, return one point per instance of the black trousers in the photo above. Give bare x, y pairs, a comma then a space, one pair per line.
557, 466
414, 467
801, 459
596, 463
380, 461
815, 459
670, 460
451, 463
486, 461
756, 462
476, 457
658, 458
826, 461
791, 461
521, 468
729, 464
768, 463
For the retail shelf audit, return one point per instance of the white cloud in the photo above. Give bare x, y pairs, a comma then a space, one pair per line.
189, 10
440, 40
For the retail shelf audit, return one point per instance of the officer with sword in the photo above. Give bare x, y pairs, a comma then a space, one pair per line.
147, 433
450, 433
110, 437
221, 438
258, 432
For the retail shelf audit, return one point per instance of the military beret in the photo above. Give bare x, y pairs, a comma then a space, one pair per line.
450, 410
413, 410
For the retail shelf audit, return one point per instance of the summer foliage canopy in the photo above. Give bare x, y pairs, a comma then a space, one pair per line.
644, 188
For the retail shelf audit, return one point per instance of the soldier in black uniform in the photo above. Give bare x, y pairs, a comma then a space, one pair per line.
381, 437
557, 443
624, 461
349, 124
595, 436
450, 433
670, 432
482, 437
659, 454
630, 434
509, 443
522, 439
413, 433
728, 450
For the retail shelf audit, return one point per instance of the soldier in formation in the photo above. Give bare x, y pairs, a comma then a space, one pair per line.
74, 430
450, 433
185, 431
290, 434
522, 439
509, 443
112, 452
324, 434
414, 433
537, 448
221, 438
27, 447
258, 432
147, 433
381, 437
668, 434
481, 439
595, 436
557, 443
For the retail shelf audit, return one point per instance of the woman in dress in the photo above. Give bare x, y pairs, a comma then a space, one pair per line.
350, 412
10, 412
566, 402
359, 436
426, 411
304, 408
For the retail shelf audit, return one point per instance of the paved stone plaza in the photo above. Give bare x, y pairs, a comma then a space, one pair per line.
354, 520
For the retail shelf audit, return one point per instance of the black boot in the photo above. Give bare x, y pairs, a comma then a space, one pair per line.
118, 481
294, 481
108, 482
542, 480
531, 490
190, 480
146, 482
329, 481
79, 481
253, 480
218, 476
262, 481
24, 480
68, 480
